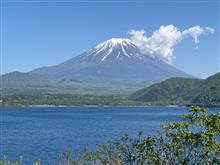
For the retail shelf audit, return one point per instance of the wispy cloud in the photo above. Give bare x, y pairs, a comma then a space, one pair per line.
161, 43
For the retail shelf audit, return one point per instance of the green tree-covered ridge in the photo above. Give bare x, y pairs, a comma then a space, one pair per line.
178, 91
182, 90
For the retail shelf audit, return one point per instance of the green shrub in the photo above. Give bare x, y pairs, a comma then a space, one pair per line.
192, 141
5, 161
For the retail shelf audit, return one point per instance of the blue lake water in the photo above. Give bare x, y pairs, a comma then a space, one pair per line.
43, 133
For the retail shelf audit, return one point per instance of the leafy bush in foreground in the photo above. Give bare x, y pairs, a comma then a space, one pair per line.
195, 140
4, 161
192, 141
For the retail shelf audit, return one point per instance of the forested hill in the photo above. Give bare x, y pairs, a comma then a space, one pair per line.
182, 90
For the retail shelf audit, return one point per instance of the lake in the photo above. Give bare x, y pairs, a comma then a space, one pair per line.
45, 132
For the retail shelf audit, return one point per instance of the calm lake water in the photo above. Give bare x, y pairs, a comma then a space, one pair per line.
43, 133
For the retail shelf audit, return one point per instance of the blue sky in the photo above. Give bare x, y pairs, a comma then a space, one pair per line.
42, 33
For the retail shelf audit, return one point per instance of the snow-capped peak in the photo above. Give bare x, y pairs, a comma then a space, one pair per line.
115, 42
115, 48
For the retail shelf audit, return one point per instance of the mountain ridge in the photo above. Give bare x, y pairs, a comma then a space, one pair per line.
182, 90
24, 80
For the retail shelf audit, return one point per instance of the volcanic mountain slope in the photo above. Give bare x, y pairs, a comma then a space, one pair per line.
114, 63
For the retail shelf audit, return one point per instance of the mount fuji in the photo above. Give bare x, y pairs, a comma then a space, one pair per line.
116, 63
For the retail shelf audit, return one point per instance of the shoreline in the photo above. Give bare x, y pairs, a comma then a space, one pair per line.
113, 105
89, 106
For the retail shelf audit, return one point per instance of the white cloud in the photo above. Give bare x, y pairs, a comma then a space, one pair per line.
197, 31
161, 43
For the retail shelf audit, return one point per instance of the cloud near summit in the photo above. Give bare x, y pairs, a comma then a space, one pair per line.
161, 43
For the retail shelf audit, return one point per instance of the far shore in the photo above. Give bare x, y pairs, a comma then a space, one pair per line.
98, 106
51, 106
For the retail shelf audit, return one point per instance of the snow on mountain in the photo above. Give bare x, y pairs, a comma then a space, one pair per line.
107, 48
111, 50
115, 62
